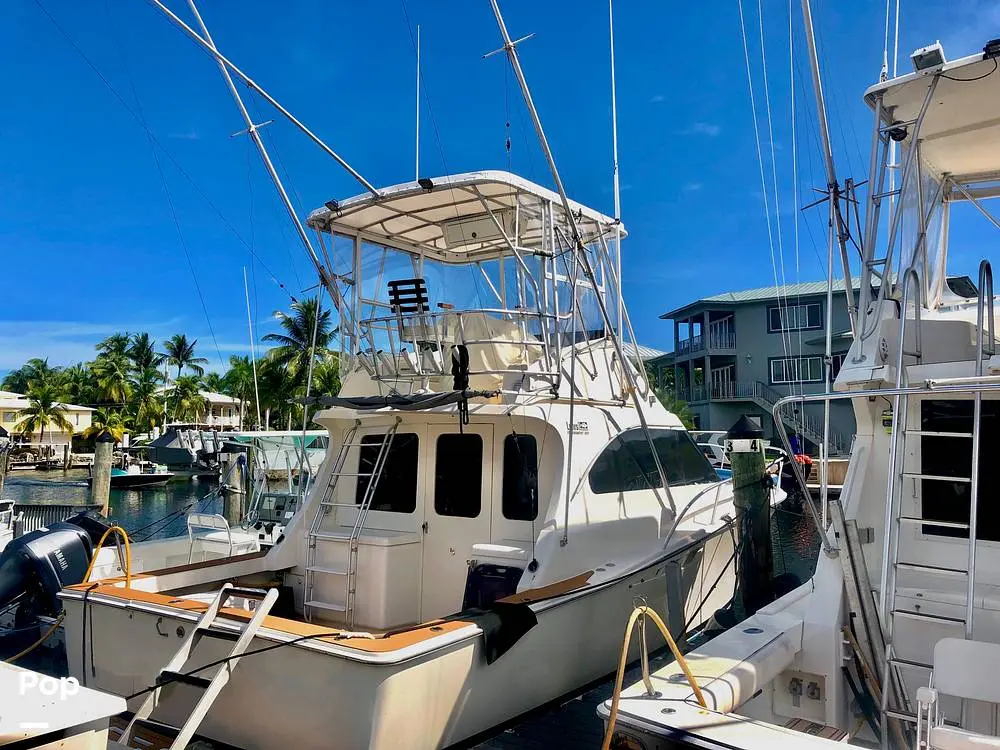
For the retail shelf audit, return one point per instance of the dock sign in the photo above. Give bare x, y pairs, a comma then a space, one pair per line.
746, 445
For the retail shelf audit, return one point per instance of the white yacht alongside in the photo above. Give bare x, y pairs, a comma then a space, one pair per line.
896, 639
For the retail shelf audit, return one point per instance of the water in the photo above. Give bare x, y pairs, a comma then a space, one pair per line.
132, 509
795, 540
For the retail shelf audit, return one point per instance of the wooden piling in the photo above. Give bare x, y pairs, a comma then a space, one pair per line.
100, 481
66, 457
234, 494
751, 491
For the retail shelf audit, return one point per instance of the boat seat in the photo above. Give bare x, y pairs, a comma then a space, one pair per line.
963, 669
216, 534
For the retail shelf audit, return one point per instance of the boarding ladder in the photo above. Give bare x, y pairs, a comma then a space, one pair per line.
895, 704
348, 571
174, 674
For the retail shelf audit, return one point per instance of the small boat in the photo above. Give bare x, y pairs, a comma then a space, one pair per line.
136, 476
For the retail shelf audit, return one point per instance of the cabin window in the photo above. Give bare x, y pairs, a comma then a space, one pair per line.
627, 464
520, 477
458, 475
949, 455
396, 490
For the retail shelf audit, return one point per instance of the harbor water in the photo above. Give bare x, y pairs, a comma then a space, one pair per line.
135, 510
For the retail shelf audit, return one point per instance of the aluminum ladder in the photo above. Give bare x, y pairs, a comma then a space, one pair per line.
173, 673
985, 347
349, 571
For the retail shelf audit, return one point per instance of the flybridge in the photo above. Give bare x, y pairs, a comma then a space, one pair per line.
484, 260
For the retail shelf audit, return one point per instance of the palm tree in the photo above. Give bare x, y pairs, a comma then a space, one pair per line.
107, 419
77, 385
111, 372
213, 381
142, 352
180, 353
188, 403
295, 344
43, 410
276, 391
147, 399
35, 370
238, 382
116, 343
675, 406
326, 376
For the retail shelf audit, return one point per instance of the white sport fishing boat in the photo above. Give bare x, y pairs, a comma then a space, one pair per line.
514, 508
896, 639
501, 485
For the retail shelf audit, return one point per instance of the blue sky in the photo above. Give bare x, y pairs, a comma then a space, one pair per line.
89, 240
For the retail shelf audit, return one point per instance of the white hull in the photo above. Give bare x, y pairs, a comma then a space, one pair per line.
435, 699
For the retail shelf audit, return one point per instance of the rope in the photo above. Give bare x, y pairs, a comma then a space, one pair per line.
163, 180
760, 164
184, 173
644, 611
782, 296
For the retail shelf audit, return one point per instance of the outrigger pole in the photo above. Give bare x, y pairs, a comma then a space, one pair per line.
833, 186
226, 65
836, 225
252, 130
581, 250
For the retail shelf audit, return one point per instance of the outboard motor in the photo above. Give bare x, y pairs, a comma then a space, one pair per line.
36, 566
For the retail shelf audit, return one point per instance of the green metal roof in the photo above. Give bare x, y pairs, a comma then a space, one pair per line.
804, 289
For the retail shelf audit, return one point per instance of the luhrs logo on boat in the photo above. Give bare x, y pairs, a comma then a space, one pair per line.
578, 428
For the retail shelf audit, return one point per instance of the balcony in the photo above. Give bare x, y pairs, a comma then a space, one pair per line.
717, 341
724, 340
691, 345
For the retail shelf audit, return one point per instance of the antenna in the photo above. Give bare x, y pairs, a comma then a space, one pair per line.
614, 157
253, 353
510, 48
416, 170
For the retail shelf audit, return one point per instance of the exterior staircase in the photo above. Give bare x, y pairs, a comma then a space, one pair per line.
766, 397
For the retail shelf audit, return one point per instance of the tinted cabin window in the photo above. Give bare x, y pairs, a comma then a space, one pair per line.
951, 456
520, 478
627, 464
458, 475
396, 490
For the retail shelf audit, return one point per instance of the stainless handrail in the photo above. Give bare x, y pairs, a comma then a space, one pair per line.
929, 386
985, 301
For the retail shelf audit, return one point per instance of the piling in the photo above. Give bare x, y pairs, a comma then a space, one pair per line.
752, 491
233, 466
65, 456
100, 482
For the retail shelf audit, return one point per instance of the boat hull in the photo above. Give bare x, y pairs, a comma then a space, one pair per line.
435, 699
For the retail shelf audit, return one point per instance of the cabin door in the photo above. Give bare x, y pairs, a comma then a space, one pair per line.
457, 512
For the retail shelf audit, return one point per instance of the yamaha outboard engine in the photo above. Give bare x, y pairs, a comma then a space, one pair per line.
36, 566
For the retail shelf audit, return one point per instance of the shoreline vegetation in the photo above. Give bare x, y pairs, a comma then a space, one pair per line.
133, 378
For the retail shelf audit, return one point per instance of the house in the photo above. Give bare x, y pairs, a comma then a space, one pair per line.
11, 406
737, 353
223, 410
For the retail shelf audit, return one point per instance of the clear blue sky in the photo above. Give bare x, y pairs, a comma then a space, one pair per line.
90, 246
